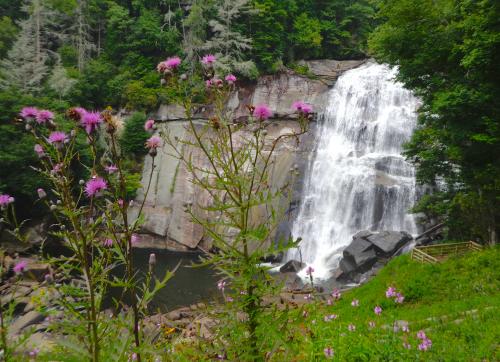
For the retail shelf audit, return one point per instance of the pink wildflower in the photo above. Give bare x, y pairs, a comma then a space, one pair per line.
405, 328
336, 294
80, 111
301, 107
134, 239
391, 292
330, 317
95, 186
153, 142
28, 113
421, 335
121, 202
58, 138
355, 303
39, 150
34, 352
221, 285
90, 121
5, 200
43, 116
262, 112
108, 243
329, 302
208, 83
309, 270
406, 345
149, 125
111, 169
371, 324
218, 82
425, 345
230, 79
57, 168
208, 59
229, 299
305, 314
328, 352
351, 327
20, 267
308, 297
378, 310
399, 298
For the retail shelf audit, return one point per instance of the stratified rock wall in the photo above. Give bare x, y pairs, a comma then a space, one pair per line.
167, 225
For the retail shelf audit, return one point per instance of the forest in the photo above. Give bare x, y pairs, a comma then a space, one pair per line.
80, 152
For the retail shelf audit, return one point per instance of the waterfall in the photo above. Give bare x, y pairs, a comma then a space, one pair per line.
356, 178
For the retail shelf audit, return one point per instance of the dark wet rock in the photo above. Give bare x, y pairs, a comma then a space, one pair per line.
388, 242
292, 266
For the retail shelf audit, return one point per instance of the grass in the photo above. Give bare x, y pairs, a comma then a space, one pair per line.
457, 304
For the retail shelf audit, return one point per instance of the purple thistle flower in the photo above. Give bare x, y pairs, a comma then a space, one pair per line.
20, 267
208, 83
262, 112
111, 169
90, 121
391, 292
154, 142
208, 59
95, 186
57, 168
230, 79
328, 351
57, 139
29, 113
108, 243
43, 116
5, 200
39, 150
149, 125
301, 107
378, 310
173, 62
355, 303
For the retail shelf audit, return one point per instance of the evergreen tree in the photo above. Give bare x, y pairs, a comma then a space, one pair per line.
81, 35
26, 64
230, 45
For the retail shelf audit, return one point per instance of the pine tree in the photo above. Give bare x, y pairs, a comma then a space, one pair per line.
60, 82
26, 64
81, 35
229, 44
195, 27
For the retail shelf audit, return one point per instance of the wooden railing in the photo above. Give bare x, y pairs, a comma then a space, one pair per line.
435, 253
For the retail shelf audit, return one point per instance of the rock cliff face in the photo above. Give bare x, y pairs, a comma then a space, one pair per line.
166, 224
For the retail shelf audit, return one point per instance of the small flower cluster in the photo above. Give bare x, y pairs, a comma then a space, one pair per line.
393, 293
5, 200
30, 114
425, 342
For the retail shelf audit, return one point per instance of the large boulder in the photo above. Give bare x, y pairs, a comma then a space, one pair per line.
292, 266
366, 249
388, 242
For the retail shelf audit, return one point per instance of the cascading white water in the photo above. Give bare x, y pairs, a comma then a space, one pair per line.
357, 178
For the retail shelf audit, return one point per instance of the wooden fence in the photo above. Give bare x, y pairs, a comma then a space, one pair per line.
435, 253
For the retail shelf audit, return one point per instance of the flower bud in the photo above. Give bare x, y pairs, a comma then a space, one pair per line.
28, 127
183, 76
41, 193
81, 182
53, 207
152, 259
